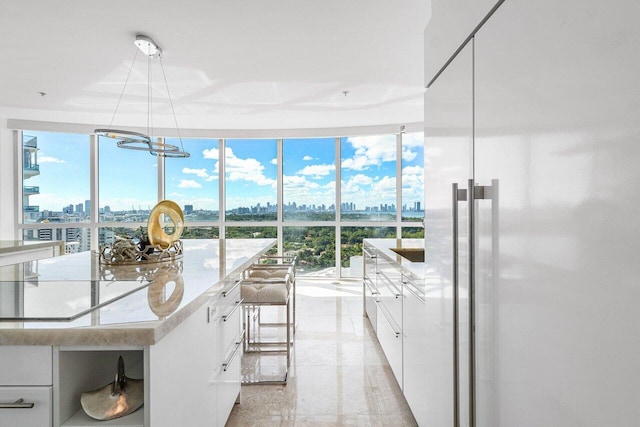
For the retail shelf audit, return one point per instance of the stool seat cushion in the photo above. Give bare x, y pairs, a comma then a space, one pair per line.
270, 293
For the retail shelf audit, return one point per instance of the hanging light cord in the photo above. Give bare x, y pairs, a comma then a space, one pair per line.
149, 96
175, 120
123, 89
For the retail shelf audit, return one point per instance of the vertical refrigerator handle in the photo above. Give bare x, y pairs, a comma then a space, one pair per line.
475, 192
458, 195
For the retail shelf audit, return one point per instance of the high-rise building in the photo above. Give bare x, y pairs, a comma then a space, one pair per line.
188, 209
30, 168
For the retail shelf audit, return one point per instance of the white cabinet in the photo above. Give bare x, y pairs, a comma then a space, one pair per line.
554, 132
451, 22
26, 365
389, 314
184, 373
369, 285
25, 386
383, 304
421, 396
557, 128
25, 406
229, 354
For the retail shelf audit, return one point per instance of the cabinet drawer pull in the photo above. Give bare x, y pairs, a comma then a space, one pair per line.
413, 290
368, 282
226, 364
386, 318
18, 404
233, 288
226, 316
395, 290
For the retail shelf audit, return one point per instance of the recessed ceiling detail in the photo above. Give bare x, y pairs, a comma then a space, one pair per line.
233, 65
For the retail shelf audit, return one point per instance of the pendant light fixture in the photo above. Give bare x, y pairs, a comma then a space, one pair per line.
135, 140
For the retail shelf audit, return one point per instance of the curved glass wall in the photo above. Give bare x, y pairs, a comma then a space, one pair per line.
193, 182
128, 183
250, 178
309, 179
368, 178
320, 197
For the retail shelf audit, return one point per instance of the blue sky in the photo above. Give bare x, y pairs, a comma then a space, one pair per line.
128, 178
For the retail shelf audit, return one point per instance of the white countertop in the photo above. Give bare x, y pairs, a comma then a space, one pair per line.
140, 318
415, 270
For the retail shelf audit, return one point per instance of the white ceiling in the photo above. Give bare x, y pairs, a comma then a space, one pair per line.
230, 64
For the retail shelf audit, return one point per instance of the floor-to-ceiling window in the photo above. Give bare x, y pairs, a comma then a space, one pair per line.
194, 184
309, 179
320, 197
55, 189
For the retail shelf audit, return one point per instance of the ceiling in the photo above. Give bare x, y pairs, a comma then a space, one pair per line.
229, 64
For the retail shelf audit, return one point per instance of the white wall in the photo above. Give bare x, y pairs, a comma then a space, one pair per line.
7, 181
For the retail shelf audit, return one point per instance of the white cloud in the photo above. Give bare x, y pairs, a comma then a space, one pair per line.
317, 171
211, 153
361, 179
413, 139
307, 158
189, 183
49, 159
407, 154
274, 161
370, 151
250, 170
200, 173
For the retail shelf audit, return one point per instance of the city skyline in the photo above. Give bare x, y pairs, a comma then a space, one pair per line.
129, 179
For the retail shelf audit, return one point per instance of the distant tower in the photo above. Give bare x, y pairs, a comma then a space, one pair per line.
30, 168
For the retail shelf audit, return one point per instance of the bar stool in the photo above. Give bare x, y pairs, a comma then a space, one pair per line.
257, 291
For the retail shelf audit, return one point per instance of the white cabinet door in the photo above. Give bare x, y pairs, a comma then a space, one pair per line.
229, 355
182, 366
558, 125
448, 160
451, 22
389, 314
33, 411
369, 288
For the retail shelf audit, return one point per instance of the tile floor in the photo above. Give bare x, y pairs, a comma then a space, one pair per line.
338, 376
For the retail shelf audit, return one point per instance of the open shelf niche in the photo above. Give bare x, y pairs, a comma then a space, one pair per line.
86, 370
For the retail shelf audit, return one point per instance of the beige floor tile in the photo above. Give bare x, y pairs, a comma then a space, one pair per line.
338, 375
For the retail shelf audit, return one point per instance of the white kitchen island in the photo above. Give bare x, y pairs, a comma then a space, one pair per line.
65, 321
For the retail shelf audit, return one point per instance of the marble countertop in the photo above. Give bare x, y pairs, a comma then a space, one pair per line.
152, 300
12, 246
415, 270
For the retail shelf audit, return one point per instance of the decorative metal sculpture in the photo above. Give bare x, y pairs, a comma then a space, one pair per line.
157, 246
117, 399
157, 236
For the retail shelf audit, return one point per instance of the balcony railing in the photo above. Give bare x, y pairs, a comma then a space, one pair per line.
31, 190
31, 208
31, 142
31, 168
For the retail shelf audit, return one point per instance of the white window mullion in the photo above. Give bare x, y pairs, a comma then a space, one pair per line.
338, 207
399, 183
280, 196
222, 198
94, 187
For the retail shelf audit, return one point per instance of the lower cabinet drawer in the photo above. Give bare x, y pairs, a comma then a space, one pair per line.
229, 381
389, 335
11, 414
26, 365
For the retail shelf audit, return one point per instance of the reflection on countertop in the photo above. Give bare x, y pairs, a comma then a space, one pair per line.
137, 304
